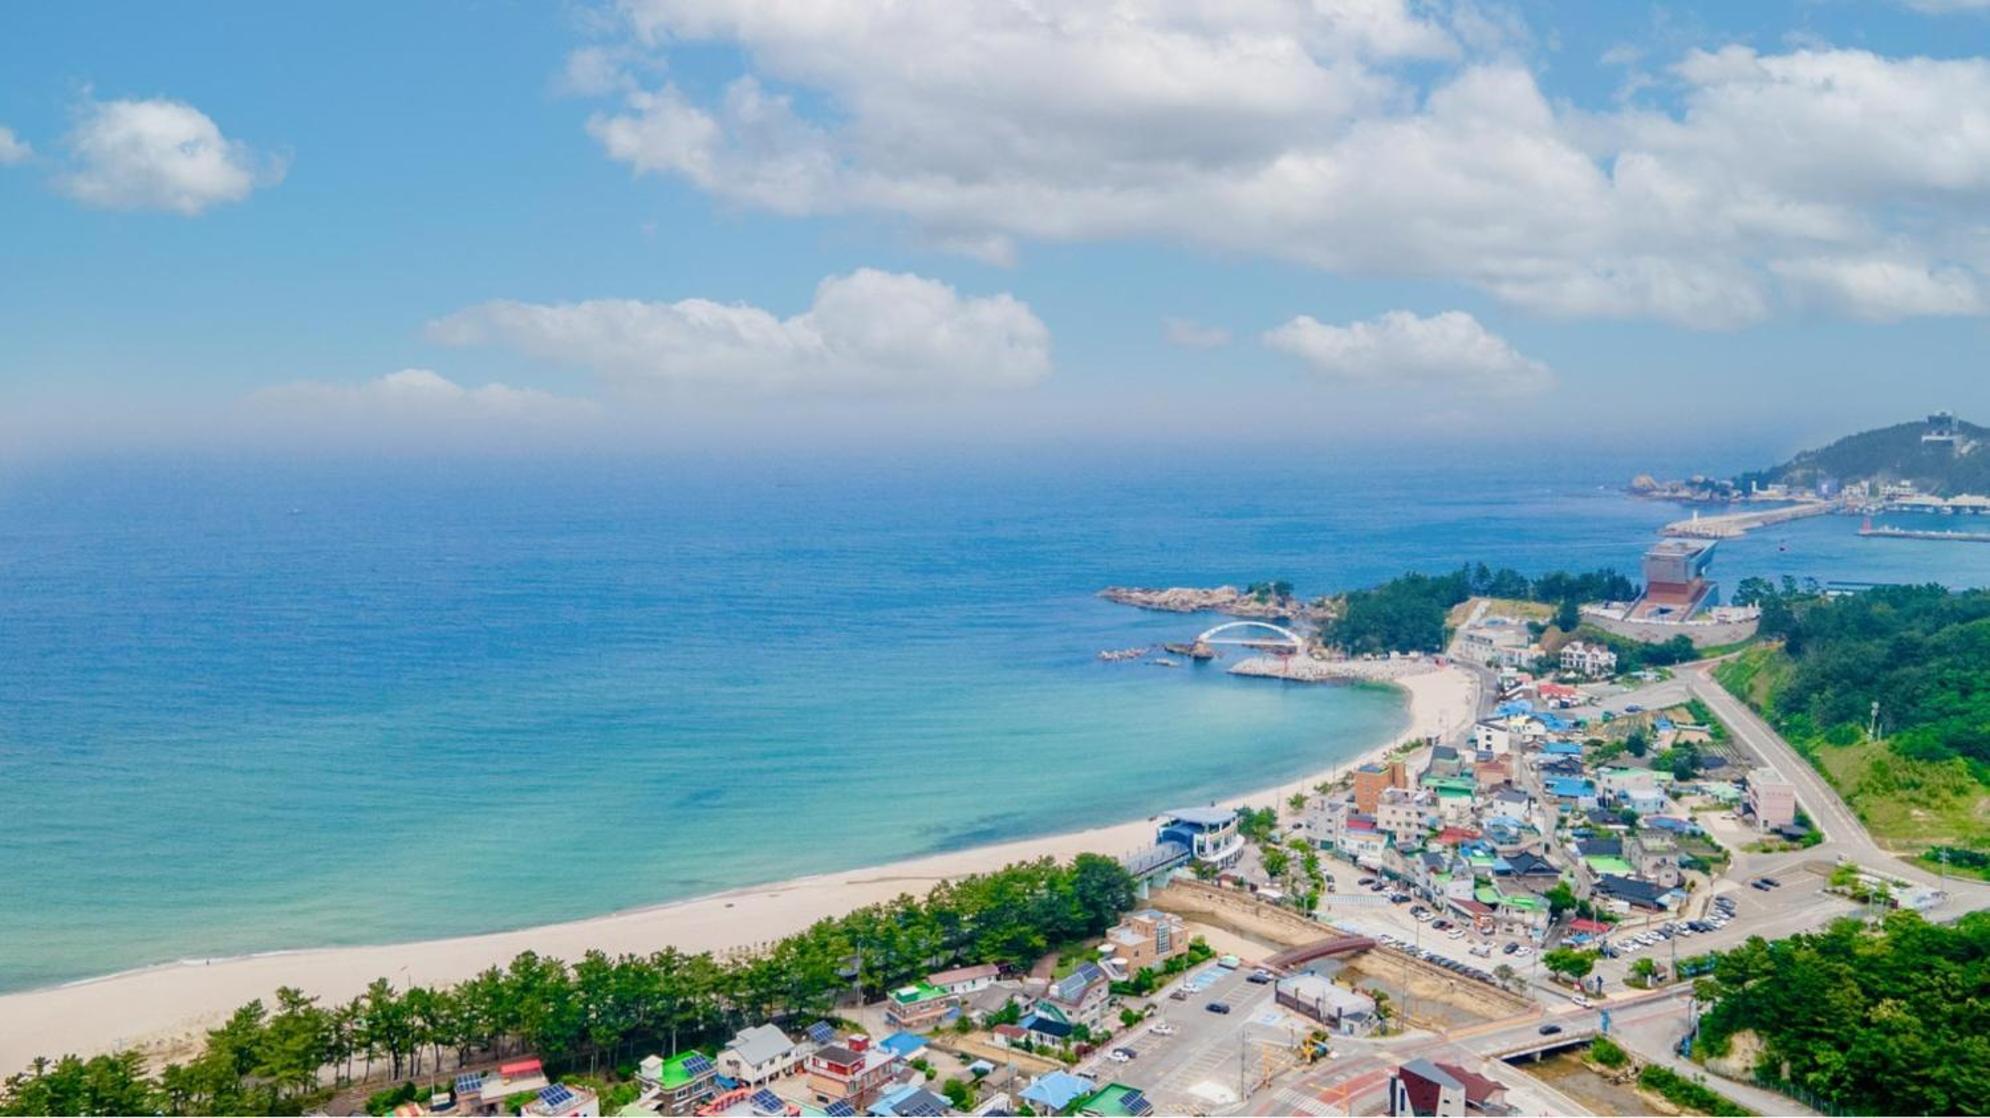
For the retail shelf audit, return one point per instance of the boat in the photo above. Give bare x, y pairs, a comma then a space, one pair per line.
1166, 663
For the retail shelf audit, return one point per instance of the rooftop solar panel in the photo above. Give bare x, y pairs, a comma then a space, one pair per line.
840, 1109
470, 1083
555, 1096
822, 1032
697, 1064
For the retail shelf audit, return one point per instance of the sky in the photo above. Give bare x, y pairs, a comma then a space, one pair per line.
739, 223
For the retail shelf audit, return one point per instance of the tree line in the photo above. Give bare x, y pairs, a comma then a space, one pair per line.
1407, 614
1921, 652
1889, 1020
599, 1013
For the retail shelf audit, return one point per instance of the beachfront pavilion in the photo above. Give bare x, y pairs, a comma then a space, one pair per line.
1209, 834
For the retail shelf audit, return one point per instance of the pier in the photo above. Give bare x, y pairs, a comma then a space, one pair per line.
1885, 533
1730, 525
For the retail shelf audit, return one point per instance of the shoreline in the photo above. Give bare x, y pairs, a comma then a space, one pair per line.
163, 1008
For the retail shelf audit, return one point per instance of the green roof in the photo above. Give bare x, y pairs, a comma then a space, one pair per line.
1608, 863
1486, 894
1523, 900
1108, 1101
674, 1075
916, 993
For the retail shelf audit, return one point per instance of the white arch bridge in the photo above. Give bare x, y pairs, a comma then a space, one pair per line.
1285, 635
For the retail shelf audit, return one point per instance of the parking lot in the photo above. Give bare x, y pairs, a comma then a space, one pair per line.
1795, 903
1200, 1067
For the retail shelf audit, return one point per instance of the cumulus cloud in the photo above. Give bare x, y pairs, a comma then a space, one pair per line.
1448, 350
13, 149
1191, 334
1361, 136
159, 155
869, 332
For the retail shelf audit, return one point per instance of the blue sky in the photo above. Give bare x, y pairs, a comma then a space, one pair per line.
673, 221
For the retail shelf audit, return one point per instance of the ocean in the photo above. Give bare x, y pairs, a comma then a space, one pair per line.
250, 706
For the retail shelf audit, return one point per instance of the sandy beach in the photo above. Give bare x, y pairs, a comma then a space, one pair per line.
164, 1008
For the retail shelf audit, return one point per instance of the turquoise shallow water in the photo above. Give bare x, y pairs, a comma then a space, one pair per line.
254, 706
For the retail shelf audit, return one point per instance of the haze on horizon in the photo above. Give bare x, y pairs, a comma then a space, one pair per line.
694, 225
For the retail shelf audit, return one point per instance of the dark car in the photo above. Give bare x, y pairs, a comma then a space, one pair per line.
1509, 949
1128, 1053
1217, 1007
1772, 883
1258, 978
1759, 884
1400, 898
1549, 1030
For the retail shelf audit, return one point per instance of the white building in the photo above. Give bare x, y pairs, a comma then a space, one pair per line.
1591, 660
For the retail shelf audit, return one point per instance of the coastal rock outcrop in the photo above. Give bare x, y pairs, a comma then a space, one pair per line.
1256, 602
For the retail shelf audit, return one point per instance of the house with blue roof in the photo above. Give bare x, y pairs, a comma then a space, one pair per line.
1053, 1091
1571, 793
1562, 749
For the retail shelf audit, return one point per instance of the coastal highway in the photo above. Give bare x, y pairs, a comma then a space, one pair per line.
1844, 835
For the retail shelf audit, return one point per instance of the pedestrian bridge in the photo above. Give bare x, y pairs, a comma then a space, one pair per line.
1293, 958
1155, 862
1282, 634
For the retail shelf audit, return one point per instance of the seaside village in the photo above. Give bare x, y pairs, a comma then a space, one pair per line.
1563, 846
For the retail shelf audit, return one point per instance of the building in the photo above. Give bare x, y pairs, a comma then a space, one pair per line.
1420, 1088
1078, 998
965, 980
486, 1092
1345, 1011
1209, 834
562, 1101
1591, 661
1114, 1100
1492, 736
1654, 854
680, 1083
1053, 1091
1372, 778
1147, 938
1771, 799
918, 1007
1403, 815
853, 1072
1323, 818
910, 1101
1675, 573
759, 1054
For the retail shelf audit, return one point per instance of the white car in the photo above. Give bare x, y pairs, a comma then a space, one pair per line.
1522, 951
1116, 1056
1164, 1029
1455, 933
1581, 1002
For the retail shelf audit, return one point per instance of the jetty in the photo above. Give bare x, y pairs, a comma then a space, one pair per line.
1885, 533
1730, 525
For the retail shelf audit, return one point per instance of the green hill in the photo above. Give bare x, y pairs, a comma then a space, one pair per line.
1901, 452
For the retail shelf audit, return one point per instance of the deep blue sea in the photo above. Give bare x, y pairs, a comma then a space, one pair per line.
251, 706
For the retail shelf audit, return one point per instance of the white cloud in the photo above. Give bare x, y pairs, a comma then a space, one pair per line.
1943, 7
13, 149
1193, 335
869, 332
1448, 350
1881, 290
1360, 136
159, 155
420, 394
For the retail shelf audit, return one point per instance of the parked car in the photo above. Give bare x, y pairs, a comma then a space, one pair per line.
1121, 1055
1582, 1002
1217, 1007
1179, 995
1772, 883
1549, 1030
1164, 1029
1509, 949
1258, 978
1758, 883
